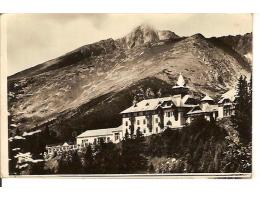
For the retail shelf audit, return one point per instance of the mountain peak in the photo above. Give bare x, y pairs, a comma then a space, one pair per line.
140, 35
145, 33
198, 36
144, 27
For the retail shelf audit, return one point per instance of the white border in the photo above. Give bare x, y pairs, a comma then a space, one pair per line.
138, 189
129, 6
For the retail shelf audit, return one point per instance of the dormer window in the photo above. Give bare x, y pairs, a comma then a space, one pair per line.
147, 104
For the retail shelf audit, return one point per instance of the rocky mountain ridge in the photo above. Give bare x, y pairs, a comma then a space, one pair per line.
88, 87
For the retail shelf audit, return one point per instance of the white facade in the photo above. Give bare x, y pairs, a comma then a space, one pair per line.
174, 118
95, 136
151, 116
141, 123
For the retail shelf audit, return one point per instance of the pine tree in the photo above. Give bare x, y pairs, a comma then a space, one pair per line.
75, 165
250, 99
89, 160
133, 149
63, 166
243, 110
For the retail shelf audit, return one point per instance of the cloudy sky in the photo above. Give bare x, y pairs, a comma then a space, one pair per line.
36, 38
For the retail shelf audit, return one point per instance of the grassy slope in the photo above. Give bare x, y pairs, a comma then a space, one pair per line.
101, 81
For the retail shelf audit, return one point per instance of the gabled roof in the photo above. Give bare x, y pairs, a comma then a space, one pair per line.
153, 104
207, 98
99, 132
144, 105
195, 110
229, 95
203, 109
223, 99
186, 99
65, 144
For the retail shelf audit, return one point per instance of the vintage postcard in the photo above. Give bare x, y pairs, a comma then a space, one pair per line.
128, 95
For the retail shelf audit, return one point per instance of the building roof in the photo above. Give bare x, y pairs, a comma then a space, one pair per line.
223, 99
153, 104
99, 132
65, 144
203, 109
207, 98
195, 110
231, 94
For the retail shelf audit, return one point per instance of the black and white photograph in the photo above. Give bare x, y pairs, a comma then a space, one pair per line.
130, 94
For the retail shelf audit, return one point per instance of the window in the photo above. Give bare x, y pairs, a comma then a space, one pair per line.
116, 136
144, 121
126, 123
138, 122
168, 114
144, 130
156, 120
85, 141
173, 116
101, 139
156, 129
108, 139
176, 116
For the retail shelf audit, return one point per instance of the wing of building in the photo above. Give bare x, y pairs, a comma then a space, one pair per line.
100, 135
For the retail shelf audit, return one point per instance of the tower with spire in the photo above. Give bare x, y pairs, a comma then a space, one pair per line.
180, 87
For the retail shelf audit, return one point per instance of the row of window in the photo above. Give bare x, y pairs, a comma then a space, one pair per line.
144, 121
142, 113
144, 130
172, 114
102, 139
167, 114
227, 112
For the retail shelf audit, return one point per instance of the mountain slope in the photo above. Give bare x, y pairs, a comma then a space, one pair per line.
94, 76
242, 44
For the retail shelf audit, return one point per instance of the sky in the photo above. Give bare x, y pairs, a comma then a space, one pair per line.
35, 38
